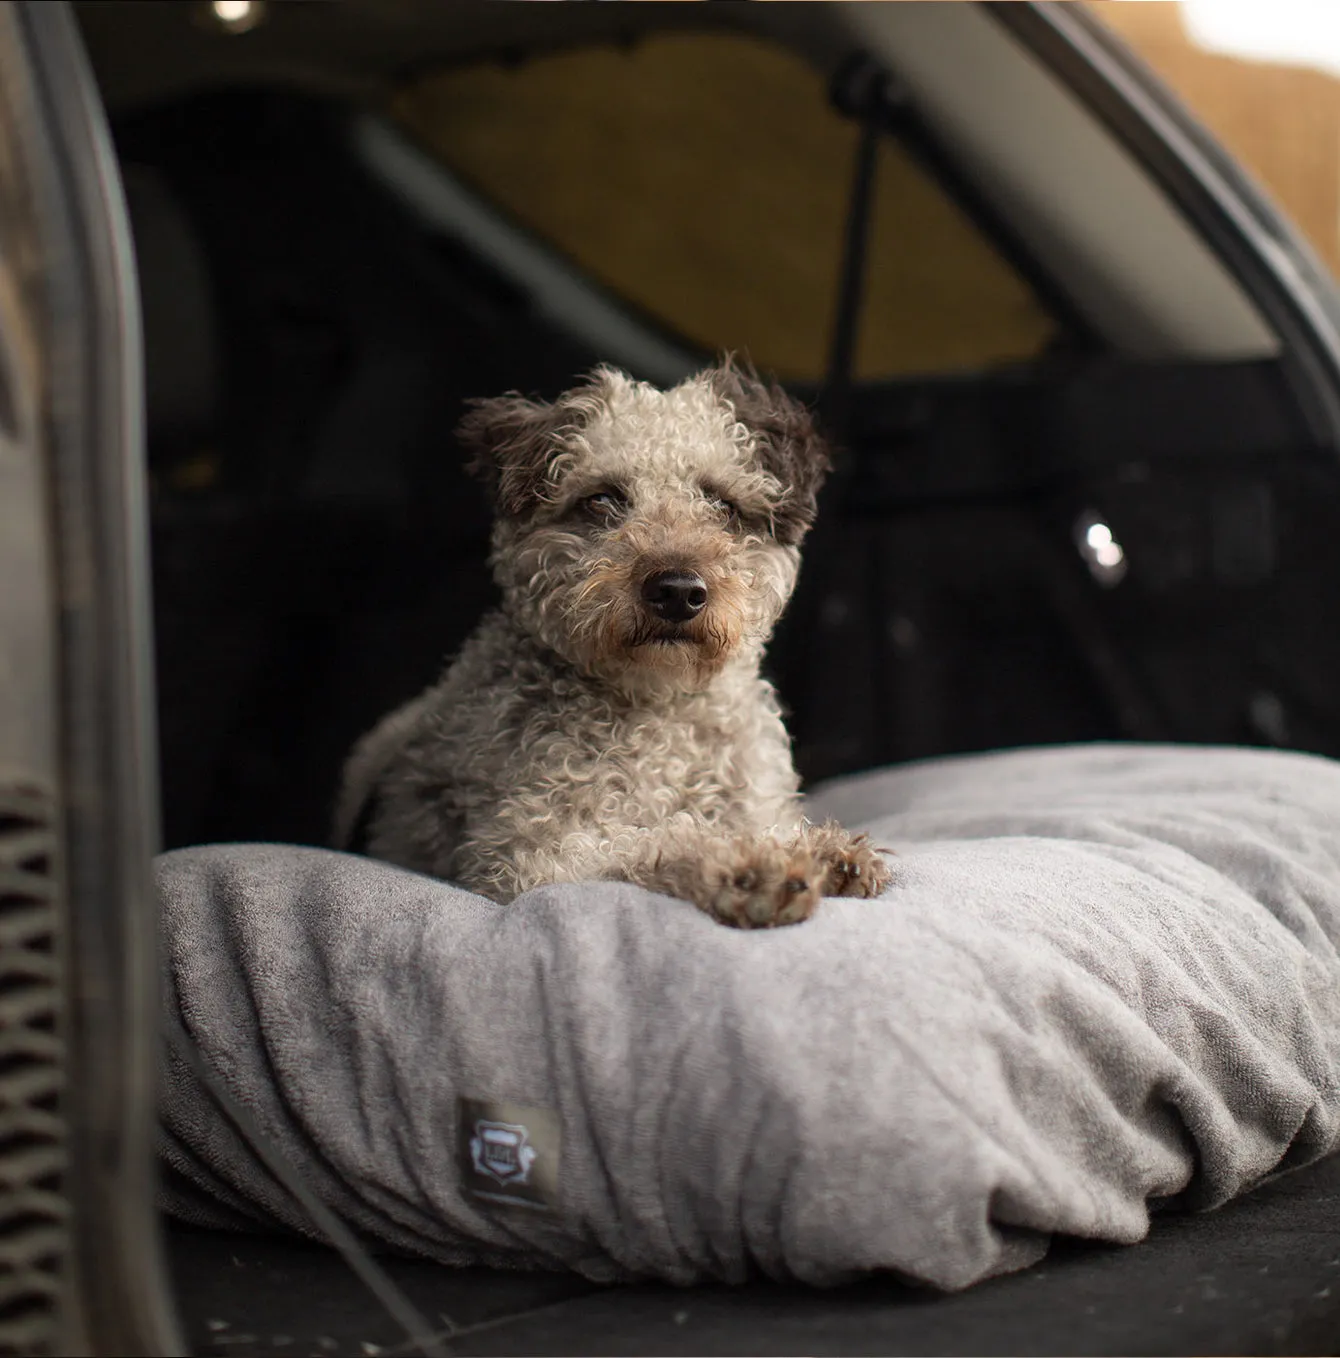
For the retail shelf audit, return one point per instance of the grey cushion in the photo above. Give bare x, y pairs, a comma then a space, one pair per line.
1105, 980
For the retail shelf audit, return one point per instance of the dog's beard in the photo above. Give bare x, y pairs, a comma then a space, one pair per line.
698, 649
587, 607
619, 639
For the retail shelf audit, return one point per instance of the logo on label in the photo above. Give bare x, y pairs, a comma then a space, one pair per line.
508, 1152
502, 1151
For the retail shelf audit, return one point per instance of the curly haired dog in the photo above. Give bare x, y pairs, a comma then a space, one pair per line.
609, 720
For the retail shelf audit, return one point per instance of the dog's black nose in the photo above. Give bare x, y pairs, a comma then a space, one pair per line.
675, 596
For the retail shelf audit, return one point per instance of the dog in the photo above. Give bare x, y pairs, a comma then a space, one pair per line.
609, 720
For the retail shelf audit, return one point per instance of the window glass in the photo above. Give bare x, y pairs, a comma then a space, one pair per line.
1256, 75
704, 178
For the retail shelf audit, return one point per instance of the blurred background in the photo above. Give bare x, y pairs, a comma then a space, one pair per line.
1264, 77
1095, 490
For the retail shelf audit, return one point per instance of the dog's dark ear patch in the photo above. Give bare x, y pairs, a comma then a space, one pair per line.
789, 443
511, 443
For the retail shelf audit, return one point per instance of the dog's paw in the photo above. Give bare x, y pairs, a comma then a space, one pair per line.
856, 869
851, 865
767, 884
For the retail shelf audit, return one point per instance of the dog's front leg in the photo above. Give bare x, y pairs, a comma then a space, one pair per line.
750, 881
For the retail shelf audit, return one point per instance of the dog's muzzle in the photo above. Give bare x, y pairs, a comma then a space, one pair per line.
674, 596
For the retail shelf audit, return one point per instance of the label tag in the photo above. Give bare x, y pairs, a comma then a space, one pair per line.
508, 1153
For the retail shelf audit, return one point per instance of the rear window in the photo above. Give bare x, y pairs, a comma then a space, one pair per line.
704, 178
1279, 116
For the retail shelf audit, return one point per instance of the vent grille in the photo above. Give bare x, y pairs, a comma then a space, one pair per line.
34, 1235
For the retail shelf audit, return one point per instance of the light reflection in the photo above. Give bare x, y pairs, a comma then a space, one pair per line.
237, 16
1102, 553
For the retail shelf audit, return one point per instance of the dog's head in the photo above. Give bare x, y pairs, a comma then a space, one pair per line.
649, 536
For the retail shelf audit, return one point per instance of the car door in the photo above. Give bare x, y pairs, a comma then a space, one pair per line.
78, 1229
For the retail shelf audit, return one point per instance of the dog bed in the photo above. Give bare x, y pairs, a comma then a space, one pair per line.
1105, 982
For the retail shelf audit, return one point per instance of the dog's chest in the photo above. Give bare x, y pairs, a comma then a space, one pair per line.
594, 763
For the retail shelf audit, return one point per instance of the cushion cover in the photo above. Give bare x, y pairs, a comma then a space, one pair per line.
1104, 982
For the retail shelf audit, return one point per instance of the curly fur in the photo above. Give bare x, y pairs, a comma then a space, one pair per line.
579, 735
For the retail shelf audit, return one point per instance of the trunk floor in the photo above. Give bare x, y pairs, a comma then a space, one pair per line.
1259, 1276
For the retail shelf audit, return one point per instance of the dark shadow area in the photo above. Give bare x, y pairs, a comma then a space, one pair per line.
1258, 1276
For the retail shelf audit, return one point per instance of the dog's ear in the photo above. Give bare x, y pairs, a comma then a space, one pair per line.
788, 441
511, 443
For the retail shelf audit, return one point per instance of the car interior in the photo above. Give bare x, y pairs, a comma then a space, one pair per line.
1085, 489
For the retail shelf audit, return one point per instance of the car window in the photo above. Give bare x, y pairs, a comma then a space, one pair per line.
704, 178
1267, 88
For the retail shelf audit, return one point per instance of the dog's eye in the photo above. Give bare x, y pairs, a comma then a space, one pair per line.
734, 514
603, 504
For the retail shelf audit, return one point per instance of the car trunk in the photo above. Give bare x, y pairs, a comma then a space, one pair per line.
1061, 513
